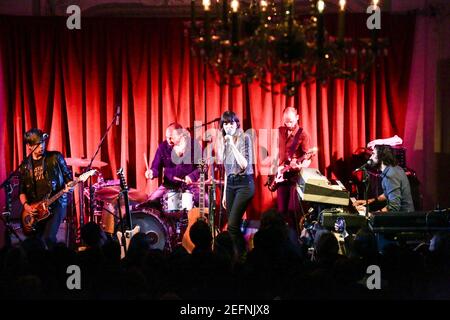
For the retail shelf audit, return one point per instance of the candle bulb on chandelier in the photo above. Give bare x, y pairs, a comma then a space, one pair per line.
263, 15
341, 22
320, 6
320, 26
234, 17
263, 5
375, 3
234, 5
206, 4
375, 8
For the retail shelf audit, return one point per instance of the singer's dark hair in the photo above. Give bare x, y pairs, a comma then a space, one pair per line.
33, 136
227, 117
385, 155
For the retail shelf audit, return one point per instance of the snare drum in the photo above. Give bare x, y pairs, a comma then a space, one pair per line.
177, 203
187, 200
172, 201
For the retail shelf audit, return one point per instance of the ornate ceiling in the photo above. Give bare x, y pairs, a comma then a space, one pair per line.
164, 8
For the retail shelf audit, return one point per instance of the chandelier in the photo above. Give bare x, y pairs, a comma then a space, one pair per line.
266, 41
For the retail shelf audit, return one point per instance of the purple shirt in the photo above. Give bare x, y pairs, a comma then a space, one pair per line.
175, 166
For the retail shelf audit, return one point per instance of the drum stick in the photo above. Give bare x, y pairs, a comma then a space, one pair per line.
145, 160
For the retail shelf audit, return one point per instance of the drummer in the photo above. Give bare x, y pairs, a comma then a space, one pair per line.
179, 164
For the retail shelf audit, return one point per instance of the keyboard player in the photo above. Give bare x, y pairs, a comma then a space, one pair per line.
396, 189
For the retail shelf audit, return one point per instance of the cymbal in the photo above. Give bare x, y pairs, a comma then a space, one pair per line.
107, 193
78, 162
136, 195
111, 193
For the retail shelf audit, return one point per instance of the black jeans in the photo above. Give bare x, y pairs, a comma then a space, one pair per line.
240, 191
48, 229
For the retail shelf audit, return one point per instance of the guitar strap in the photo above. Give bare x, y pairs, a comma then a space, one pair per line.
34, 178
296, 142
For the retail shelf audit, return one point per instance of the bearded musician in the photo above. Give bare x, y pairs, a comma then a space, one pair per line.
176, 159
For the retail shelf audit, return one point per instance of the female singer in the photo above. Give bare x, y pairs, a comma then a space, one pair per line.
237, 154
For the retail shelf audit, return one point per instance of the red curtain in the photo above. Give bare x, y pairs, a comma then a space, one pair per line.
69, 83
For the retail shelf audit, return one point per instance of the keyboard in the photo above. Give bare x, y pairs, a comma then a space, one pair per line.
361, 212
315, 187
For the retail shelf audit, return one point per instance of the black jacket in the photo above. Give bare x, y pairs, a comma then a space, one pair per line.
56, 173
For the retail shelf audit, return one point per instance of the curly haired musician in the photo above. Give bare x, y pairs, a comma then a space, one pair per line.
44, 173
395, 183
293, 146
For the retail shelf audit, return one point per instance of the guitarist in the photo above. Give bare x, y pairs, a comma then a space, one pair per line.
293, 145
44, 173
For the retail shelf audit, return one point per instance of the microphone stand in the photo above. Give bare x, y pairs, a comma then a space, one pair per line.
366, 182
91, 189
221, 178
203, 124
7, 213
16, 171
9, 230
6, 184
212, 202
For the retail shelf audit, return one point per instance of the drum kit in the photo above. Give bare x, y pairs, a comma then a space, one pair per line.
163, 223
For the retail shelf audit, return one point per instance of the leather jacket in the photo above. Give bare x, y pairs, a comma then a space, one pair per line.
56, 173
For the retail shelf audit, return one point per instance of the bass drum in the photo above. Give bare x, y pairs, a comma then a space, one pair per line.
156, 229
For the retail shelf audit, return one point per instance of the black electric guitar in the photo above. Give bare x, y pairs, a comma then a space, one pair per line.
126, 233
196, 213
303, 162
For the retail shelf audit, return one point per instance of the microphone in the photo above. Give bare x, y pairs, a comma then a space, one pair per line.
369, 163
227, 138
44, 137
228, 132
117, 115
